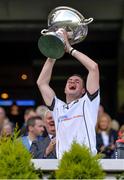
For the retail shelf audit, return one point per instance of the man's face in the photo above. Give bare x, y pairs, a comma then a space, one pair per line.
38, 128
104, 123
7, 130
49, 123
74, 86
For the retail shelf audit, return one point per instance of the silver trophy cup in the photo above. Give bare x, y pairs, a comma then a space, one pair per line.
51, 44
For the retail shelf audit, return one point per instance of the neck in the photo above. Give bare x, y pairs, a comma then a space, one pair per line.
31, 136
70, 98
52, 132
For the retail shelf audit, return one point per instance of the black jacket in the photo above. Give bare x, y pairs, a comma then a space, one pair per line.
38, 149
112, 139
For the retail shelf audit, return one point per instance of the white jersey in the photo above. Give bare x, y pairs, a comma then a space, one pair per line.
76, 122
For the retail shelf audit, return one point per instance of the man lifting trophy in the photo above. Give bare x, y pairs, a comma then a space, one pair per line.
51, 43
75, 119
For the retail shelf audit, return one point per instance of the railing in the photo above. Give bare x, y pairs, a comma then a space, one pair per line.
110, 166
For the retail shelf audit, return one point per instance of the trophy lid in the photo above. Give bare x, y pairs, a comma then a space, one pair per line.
64, 14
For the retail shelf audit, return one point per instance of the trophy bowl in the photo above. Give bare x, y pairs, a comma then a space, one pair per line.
51, 44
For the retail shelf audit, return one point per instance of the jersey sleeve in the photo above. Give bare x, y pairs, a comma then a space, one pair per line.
56, 107
92, 103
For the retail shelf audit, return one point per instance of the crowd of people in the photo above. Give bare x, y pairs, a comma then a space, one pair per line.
38, 132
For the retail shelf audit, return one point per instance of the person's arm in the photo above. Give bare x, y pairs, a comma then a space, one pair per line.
92, 84
50, 147
43, 82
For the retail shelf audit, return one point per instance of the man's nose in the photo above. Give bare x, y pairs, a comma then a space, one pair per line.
72, 82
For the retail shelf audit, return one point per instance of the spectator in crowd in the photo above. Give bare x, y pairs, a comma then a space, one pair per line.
40, 110
35, 127
6, 120
121, 131
46, 148
119, 151
105, 136
49, 121
101, 110
2, 116
115, 125
75, 119
29, 113
7, 129
15, 115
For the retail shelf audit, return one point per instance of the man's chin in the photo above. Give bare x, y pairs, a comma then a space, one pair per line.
51, 130
72, 93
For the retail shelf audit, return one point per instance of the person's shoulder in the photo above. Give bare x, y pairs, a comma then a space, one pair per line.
98, 134
44, 142
58, 99
46, 138
92, 96
23, 137
56, 103
114, 131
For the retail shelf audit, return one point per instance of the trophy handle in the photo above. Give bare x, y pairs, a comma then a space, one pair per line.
44, 31
87, 21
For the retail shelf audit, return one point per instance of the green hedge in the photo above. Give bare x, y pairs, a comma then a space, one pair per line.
15, 160
78, 163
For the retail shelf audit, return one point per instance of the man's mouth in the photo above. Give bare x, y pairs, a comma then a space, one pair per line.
52, 123
72, 87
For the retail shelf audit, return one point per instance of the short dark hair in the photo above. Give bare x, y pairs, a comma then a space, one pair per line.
77, 75
31, 121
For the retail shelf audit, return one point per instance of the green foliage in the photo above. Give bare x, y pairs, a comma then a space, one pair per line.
120, 176
51, 175
78, 163
15, 160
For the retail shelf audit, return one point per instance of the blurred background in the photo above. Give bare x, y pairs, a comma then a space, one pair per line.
21, 61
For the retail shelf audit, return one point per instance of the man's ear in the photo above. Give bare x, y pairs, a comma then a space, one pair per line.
83, 90
30, 128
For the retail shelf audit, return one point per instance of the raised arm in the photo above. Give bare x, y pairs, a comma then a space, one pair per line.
43, 82
92, 83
